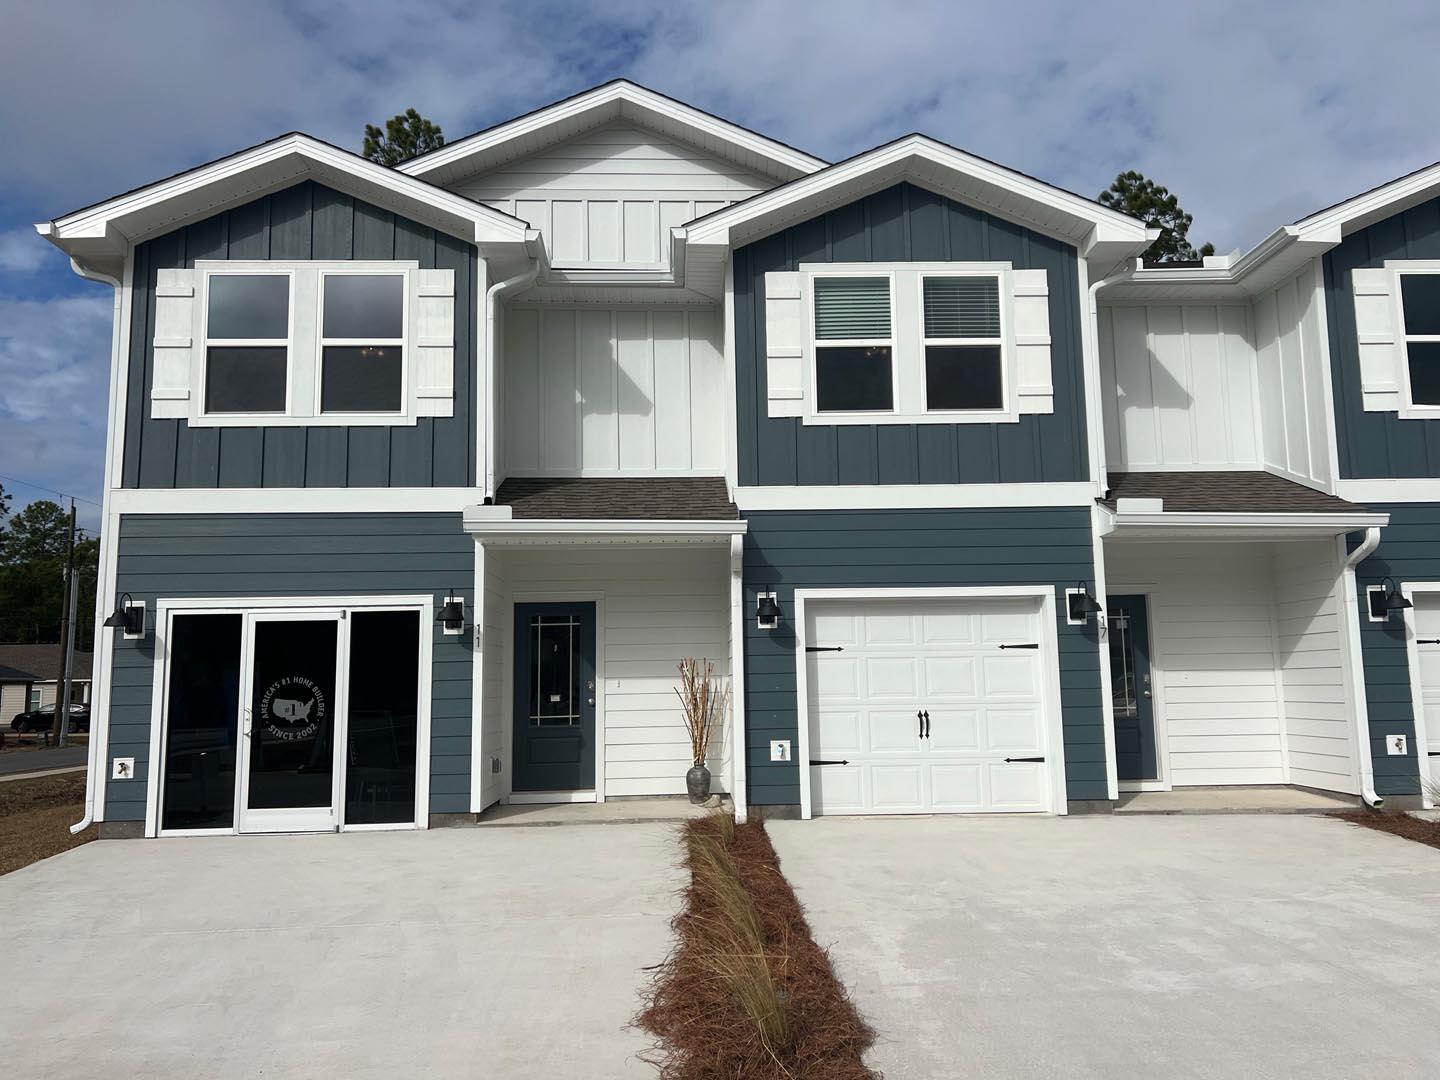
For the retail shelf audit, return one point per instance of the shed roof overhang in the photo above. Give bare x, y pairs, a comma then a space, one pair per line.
1179, 525
494, 525
98, 236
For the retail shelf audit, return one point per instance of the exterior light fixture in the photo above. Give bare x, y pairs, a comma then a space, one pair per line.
767, 611
129, 616
1080, 605
452, 615
1385, 600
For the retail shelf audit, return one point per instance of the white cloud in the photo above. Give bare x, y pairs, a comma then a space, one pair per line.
21, 251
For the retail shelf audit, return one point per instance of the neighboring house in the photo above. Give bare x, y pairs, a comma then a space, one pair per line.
421, 481
28, 675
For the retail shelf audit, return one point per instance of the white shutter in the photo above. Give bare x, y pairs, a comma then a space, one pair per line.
1030, 338
1377, 337
176, 322
787, 341
432, 341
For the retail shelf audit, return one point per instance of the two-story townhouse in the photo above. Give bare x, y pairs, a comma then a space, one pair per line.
421, 481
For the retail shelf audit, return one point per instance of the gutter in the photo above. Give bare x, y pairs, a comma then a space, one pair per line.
101, 663
492, 350
1357, 666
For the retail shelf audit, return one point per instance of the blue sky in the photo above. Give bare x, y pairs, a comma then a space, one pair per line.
1255, 114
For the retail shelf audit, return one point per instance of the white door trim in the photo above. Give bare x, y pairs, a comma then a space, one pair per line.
597, 597
1050, 649
1417, 690
166, 608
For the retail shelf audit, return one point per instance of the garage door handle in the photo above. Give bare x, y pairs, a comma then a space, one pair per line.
1008, 760
927, 723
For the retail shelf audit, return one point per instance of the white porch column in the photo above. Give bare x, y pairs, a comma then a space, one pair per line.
737, 677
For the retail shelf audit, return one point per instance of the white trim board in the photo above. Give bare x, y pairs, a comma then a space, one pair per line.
915, 496
1381, 490
356, 500
1417, 689
1050, 647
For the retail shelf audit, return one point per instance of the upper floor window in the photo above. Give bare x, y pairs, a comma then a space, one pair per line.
1420, 317
963, 343
304, 343
854, 350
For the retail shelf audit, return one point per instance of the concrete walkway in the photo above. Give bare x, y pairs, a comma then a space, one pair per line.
492, 953
1215, 946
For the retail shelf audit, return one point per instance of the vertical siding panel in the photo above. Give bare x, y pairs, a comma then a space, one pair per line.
886, 211
809, 242
523, 431
929, 239
936, 454
137, 400
816, 455
242, 457
600, 421
284, 457
332, 229
326, 449
672, 391
969, 234
249, 230
290, 223
848, 239
157, 458
895, 446
636, 391
374, 232
858, 454
559, 428
369, 456
747, 330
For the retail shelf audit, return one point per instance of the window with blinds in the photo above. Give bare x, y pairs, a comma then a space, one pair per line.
853, 345
962, 338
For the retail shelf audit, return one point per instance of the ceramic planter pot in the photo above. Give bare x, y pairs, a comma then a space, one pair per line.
697, 783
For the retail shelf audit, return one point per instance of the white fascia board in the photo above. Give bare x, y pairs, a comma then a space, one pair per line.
282, 162
1090, 218
1400, 490
1375, 205
1248, 526
916, 496
1283, 253
622, 93
483, 525
355, 500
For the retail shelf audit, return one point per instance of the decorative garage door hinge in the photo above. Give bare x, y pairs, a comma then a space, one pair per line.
1427, 641
824, 648
1008, 760
1027, 645
829, 763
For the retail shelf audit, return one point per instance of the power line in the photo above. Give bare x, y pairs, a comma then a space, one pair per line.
52, 491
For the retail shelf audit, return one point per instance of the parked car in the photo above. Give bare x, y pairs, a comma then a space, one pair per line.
43, 719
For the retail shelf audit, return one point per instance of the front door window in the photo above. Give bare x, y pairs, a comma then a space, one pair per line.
1127, 628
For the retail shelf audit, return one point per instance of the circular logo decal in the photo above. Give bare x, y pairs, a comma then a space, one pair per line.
292, 709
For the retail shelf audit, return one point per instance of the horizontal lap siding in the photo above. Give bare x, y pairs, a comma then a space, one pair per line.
200, 556
1377, 444
787, 550
1409, 551
908, 224
306, 221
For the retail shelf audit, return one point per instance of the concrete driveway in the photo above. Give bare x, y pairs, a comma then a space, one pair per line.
1217, 946
493, 952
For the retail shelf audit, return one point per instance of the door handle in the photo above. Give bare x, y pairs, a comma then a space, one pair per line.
927, 723
249, 723
920, 720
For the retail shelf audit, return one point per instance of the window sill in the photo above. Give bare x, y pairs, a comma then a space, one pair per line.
275, 420
839, 419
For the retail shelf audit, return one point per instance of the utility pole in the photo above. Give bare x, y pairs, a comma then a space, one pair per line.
61, 726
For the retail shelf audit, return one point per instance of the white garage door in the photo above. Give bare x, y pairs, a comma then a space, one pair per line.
927, 706
1427, 633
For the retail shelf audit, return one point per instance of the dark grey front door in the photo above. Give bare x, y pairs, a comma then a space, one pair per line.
554, 697
1128, 625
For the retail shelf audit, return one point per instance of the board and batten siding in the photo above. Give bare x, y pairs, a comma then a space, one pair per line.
1180, 386
613, 391
1409, 551
306, 221
610, 196
786, 550
906, 223
661, 605
199, 556
1376, 444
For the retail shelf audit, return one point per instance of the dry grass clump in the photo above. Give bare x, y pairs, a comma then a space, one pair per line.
702, 703
747, 994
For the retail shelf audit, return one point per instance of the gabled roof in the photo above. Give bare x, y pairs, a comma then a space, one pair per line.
1098, 231
619, 99
98, 234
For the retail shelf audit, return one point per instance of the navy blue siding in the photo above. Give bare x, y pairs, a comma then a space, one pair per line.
306, 221
1409, 551
786, 550
1377, 444
906, 223
179, 555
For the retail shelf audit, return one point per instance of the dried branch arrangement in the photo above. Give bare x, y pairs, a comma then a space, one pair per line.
703, 701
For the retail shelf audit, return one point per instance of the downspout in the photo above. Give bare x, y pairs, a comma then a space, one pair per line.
492, 350
102, 669
1357, 666
1094, 403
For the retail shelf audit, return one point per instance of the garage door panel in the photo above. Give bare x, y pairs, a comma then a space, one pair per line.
958, 788
1011, 675
1019, 786
892, 677
895, 628
950, 676
1009, 627
897, 788
835, 678
839, 733
892, 732
954, 731
1015, 730
834, 629
949, 628
838, 789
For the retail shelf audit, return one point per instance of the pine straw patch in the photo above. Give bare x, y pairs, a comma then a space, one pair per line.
746, 994
1402, 825
35, 818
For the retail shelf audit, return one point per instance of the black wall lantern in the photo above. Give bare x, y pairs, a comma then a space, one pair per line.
1080, 605
767, 611
452, 614
1385, 600
129, 616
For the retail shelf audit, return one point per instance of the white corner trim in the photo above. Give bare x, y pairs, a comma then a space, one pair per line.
915, 496
739, 767
1050, 647
1107, 702
1417, 693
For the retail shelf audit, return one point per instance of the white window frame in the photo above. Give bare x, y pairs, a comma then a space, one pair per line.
202, 395
907, 343
1409, 409
852, 416
1007, 376
304, 348
401, 342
